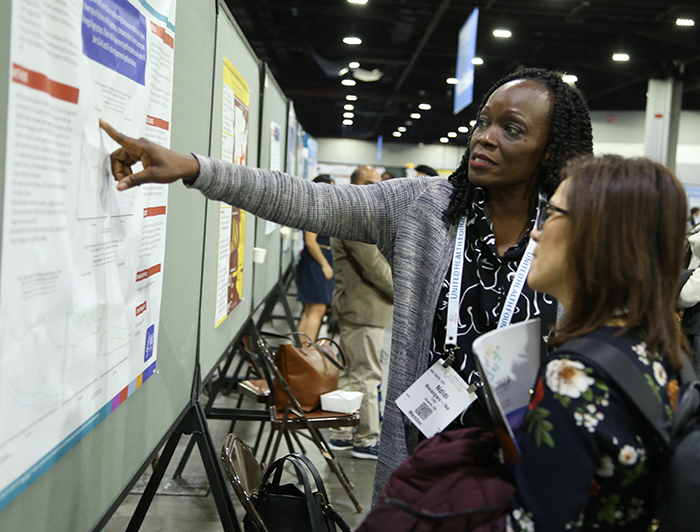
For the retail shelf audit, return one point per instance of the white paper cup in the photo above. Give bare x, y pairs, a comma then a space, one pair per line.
284, 231
259, 255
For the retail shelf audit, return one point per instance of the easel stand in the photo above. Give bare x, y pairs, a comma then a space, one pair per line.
195, 425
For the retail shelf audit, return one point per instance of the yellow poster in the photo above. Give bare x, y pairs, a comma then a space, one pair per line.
234, 148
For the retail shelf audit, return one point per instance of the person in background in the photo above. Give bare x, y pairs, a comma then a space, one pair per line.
425, 170
315, 277
528, 125
362, 300
694, 217
609, 249
388, 175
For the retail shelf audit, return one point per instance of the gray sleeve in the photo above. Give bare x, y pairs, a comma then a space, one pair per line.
369, 213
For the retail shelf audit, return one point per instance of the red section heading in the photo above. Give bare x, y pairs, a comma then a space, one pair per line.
160, 32
145, 274
154, 211
141, 308
157, 122
38, 81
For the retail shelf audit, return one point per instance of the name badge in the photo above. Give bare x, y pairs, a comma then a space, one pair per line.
435, 399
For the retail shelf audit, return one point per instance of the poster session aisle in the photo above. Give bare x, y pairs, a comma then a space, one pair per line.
82, 265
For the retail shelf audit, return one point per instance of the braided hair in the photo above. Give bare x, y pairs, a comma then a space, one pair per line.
570, 134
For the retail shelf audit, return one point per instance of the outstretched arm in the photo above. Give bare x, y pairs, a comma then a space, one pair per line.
361, 213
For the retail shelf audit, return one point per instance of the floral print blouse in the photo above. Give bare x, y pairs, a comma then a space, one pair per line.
588, 458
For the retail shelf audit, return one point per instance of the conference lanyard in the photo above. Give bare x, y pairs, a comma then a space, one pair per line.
454, 294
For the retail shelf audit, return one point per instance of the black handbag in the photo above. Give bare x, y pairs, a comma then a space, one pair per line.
286, 508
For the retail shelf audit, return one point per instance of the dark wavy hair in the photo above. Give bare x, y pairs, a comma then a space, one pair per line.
627, 219
570, 134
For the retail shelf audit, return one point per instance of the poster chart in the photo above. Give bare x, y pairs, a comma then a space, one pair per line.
275, 162
82, 264
234, 148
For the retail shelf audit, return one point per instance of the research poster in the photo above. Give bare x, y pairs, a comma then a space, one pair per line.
82, 264
234, 148
275, 163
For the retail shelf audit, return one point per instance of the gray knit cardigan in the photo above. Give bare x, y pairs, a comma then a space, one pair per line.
403, 217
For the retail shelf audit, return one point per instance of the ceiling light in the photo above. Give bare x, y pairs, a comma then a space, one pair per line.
415, 116
362, 2
444, 140
452, 81
621, 57
685, 22
352, 40
402, 129
569, 78
348, 115
463, 129
354, 64
349, 107
342, 72
349, 82
396, 133
351, 98
472, 123
347, 122
502, 34
424, 106
477, 61
452, 134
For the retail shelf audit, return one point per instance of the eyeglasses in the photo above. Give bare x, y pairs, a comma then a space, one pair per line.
546, 212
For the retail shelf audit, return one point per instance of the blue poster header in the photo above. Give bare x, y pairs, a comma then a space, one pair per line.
464, 90
114, 35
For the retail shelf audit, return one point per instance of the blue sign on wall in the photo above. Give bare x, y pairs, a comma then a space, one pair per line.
464, 90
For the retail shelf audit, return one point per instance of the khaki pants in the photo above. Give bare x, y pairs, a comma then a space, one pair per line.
362, 347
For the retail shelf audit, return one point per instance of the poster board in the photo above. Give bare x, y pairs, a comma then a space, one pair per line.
231, 45
77, 492
267, 235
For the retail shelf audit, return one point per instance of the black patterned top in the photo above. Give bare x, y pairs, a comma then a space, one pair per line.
486, 280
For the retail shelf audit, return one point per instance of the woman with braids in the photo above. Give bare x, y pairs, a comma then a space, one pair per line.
528, 125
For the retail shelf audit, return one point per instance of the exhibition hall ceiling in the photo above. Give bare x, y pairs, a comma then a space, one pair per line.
409, 50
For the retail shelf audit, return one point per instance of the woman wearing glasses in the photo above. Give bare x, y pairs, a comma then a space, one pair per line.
528, 125
609, 249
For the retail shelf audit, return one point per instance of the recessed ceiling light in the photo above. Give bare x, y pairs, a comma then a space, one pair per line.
351, 98
463, 129
424, 106
415, 116
569, 78
396, 133
502, 34
354, 64
402, 129
344, 71
347, 122
352, 40
620, 57
452, 134
444, 140
472, 123
452, 81
477, 61
349, 107
348, 115
362, 2
685, 22
349, 82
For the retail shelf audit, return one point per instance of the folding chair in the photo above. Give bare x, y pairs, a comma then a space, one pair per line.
293, 419
245, 475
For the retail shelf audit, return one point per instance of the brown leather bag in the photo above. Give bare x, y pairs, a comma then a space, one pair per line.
310, 371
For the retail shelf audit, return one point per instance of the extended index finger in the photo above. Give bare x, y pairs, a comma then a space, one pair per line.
118, 137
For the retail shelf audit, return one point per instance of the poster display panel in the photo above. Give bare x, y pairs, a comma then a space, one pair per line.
82, 264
